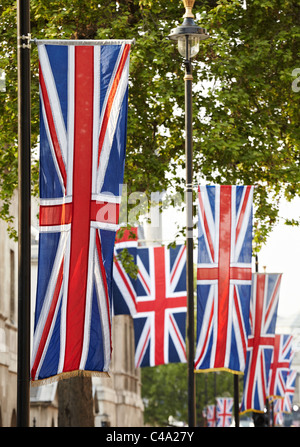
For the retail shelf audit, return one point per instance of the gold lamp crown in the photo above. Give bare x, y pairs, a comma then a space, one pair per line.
188, 4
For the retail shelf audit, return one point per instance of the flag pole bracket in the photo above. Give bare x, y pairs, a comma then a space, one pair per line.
25, 38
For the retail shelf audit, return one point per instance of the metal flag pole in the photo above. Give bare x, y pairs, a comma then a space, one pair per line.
189, 236
24, 148
236, 399
188, 36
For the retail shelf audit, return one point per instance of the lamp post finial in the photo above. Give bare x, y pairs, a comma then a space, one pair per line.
188, 4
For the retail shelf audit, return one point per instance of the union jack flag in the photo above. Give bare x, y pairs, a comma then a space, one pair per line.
211, 415
160, 321
124, 294
263, 316
280, 365
223, 276
278, 412
285, 405
83, 115
289, 391
224, 411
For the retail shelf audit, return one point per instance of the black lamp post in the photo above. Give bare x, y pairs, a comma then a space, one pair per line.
188, 36
24, 143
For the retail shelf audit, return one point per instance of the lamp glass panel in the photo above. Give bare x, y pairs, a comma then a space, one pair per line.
193, 46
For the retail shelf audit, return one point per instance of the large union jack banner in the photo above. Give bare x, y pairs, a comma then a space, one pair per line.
263, 316
83, 116
160, 321
124, 294
280, 365
224, 411
223, 277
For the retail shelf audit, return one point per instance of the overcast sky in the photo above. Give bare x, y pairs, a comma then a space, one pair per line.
281, 254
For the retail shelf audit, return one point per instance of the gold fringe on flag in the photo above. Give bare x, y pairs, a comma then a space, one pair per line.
68, 375
218, 369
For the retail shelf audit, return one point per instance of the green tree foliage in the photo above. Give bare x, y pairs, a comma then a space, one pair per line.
165, 392
251, 133
246, 111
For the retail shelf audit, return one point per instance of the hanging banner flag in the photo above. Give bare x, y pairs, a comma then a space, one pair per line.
263, 316
83, 116
223, 277
285, 405
211, 415
278, 412
289, 391
160, 321
224, 411
280, 366
124, 294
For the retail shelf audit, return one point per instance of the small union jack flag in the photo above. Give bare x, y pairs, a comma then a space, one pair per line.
160, 321
278, 412
290, 391
224, 411
280, 365
285, 405
223, 276
83, 119
124, 294
263, 316
211, 415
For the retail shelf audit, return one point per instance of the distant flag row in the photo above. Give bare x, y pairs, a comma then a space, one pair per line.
237, 310
282, 395
220, 414
235, 331
268, 375
81, 279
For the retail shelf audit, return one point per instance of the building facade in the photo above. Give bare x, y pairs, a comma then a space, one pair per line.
8, 324
119, 396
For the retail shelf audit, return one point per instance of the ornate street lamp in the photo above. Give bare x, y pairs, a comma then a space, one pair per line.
188, 36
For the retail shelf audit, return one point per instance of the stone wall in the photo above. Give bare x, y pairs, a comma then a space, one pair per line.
8, 324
